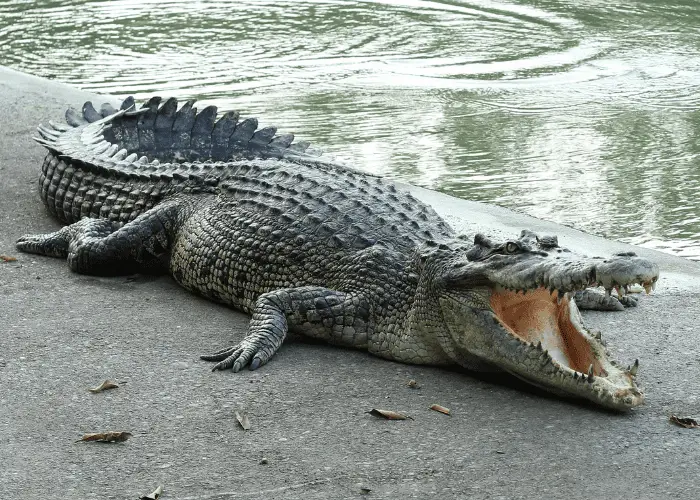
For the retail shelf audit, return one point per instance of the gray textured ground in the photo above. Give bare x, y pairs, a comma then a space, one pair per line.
61, 333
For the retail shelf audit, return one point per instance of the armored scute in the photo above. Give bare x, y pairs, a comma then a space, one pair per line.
253, 220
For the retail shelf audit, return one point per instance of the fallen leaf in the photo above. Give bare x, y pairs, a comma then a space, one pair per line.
243, 420
388, 414
154, 494
107, 437
441, 409
413, 384
686, 422
107, 384
7, 258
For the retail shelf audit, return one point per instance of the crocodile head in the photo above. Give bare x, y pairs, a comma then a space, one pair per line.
510, 305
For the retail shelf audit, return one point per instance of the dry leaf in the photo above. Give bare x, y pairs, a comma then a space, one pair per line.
243, 420
388, 414
154, 495
413, 384
107, 437
686, 422
107, 384
7, 258
441, 409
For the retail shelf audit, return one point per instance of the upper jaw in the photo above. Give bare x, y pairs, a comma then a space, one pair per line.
564, 273
624, 269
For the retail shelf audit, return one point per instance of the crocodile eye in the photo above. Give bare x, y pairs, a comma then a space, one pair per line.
512, 247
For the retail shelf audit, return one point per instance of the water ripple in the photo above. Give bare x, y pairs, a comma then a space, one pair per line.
584, 113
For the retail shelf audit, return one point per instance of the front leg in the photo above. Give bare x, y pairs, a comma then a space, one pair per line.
318, 312
597, 301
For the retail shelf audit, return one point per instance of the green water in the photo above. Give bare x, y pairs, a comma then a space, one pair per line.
580, 112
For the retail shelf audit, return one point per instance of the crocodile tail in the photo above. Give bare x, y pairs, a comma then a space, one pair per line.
162, 130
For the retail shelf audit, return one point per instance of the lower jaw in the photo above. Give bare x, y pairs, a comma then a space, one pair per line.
572, 363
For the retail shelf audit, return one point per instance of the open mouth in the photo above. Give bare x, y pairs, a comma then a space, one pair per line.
541, 318
567, 358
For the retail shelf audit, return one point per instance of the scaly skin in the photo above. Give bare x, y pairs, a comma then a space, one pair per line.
303, 244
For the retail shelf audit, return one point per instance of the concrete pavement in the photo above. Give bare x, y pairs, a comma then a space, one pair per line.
61, 333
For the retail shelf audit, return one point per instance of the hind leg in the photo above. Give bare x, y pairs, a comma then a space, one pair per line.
100, 247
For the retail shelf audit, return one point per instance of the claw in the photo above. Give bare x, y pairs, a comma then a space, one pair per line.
635, 368
225, 357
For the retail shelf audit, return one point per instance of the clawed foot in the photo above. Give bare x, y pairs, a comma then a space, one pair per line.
52, 244
629, 300
240, 355
595, 300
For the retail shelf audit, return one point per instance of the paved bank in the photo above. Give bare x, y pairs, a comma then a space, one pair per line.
61, 333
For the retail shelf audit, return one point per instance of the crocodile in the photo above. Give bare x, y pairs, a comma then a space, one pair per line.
309, 245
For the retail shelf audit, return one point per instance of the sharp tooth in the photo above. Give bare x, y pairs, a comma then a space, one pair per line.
560, 296
635, 367
575, 375
590, 374
653, 285
647, 288
621, 291
598, 335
